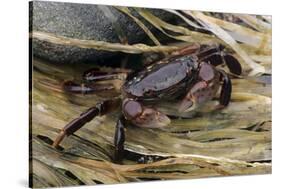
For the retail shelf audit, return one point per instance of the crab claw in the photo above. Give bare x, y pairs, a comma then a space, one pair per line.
143, 116
185, 105
151, 118
200, 93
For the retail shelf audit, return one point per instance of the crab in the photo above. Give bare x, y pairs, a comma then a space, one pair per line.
188, 77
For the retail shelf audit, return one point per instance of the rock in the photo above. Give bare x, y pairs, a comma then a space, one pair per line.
82, 21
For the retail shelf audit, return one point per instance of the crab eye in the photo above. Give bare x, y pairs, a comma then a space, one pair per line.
132, 109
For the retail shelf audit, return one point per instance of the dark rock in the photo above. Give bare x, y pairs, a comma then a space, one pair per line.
82, 21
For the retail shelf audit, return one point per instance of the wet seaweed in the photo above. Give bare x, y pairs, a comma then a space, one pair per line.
233, 141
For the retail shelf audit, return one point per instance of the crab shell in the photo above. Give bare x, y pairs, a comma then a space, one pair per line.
183, 80
162, 80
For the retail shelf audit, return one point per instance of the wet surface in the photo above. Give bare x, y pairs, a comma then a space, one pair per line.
212, 143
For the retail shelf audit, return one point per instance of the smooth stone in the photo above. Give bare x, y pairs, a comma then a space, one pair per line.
82, 21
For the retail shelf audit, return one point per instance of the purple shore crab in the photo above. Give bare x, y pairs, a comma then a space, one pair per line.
188, 77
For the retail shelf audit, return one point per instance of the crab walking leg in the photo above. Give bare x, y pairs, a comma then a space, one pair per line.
207, 51
186, 50
98, 110
226, 89
98, 75
119, 139
216, 56
230, 61
75, 88
120, 76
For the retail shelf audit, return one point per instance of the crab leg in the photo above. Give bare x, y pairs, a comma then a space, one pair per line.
232, 63
98, 110
216, 56
187, 50
119, 139
226, 89
98, 75
205, 52
90, 87
73, 87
